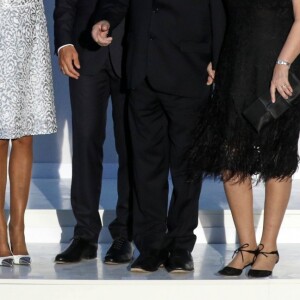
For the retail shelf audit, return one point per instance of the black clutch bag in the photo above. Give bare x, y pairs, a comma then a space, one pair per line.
262, 111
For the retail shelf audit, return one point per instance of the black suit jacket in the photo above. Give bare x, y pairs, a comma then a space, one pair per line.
170, 42
73, 21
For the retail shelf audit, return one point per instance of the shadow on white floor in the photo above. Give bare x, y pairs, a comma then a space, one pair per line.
208, 260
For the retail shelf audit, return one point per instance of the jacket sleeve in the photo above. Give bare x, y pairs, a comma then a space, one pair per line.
64, 19
218, 19
113, 11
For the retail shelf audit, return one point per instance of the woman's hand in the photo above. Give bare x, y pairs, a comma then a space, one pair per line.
280, 82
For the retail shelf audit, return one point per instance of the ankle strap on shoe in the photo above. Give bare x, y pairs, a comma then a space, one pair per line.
242, 249
264, 253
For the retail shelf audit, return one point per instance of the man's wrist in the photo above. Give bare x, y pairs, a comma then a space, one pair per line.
66, 45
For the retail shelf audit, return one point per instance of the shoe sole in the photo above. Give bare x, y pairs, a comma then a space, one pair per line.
74, 262
84, 258
113, 263
22, 264
7, 265
66, 262
262, 277
137, 270
228, 276
180, 271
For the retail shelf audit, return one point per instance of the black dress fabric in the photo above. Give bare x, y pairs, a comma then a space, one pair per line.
224, 140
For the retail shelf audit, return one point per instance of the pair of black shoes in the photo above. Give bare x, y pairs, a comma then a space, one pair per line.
175, 261
230, 271
120, 252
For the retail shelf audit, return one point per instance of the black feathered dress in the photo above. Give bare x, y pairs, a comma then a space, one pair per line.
224, 140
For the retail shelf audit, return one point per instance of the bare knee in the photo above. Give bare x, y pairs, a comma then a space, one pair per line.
4, 144
232, 179
24, 142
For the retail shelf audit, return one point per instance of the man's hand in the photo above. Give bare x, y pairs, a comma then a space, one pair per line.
99, 33
211, 74
68, 58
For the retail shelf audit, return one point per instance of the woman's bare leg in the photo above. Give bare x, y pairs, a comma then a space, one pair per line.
4, 247
20, 169
277, 198
240, 199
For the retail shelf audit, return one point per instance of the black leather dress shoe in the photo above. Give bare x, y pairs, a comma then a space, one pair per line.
179, 261
149, 262
120, 252
79, 249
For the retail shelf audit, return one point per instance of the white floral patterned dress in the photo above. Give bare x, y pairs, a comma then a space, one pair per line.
26, 87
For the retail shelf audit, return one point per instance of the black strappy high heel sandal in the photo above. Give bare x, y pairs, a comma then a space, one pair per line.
230, 271
263, 273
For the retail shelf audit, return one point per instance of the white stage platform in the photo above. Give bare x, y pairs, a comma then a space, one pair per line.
94, 280
49, 226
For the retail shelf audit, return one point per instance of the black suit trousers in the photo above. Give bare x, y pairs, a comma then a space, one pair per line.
161, 127
89, 101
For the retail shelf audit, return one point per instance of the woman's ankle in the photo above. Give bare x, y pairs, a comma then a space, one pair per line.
267, 246
265, 262
4, 247
17, 239
243, 256
267, 256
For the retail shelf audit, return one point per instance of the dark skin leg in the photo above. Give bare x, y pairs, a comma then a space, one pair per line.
4, 248
20, 169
